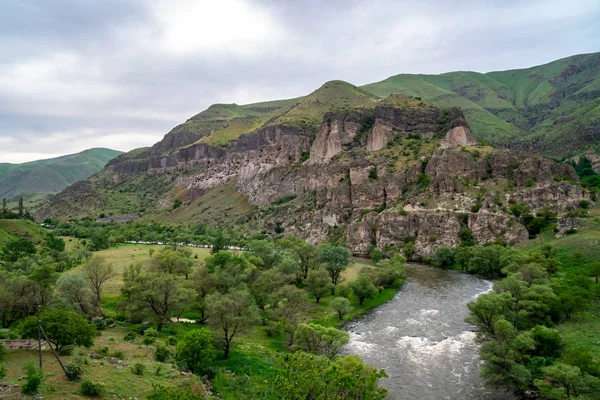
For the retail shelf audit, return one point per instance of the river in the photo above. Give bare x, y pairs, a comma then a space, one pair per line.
421, 340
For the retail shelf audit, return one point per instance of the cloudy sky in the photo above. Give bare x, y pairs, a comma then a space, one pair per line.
121, 73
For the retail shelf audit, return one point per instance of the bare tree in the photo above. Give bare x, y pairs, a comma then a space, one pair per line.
98, 272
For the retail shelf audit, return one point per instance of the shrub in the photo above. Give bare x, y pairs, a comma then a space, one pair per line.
584, 204
33, 379
196, 350
444, 256
66, 351
161, 353
466, 237
423, 181
103, 351
476, 207
6, 334
341, 305
144, 325
130, 337
529, 182
571, 231
119, 355
99, 323
172, 341
150, 336
176, 204
91, 389
2, 352
138, 369
373, 173
75, 370
3, 372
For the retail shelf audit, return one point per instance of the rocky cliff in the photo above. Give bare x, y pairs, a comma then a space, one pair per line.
399, 172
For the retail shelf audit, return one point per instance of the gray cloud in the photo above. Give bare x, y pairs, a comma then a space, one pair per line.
77, 74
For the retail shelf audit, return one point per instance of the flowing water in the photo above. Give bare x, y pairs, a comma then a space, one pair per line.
421, 340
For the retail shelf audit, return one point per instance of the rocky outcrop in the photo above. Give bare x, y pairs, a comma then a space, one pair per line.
457, 137
490, 227
336, 130
559, 196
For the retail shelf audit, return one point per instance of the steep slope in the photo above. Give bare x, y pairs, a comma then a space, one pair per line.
551, 108
52, 175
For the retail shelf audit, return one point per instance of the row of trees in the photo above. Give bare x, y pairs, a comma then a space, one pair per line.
521, 350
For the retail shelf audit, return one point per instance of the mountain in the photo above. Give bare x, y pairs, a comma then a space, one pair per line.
341, 163
552, 108
51, 175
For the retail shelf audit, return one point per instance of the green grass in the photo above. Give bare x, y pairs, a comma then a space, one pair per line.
11, 229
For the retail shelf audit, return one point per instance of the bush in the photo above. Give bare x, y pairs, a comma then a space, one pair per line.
196, 350
161, 353
2, 352
99, 323
103, 351
341, 305
571, 231
138, 369
6, 334
584, 204
529, 182
143, 327
466, 237
33, 379
172, 341
66, 351
119, 355
75, 370
3, 372
91, 389
130, 337
444, 256
150, 336
476, 207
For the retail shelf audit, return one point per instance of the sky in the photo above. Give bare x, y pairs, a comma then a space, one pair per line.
76, 74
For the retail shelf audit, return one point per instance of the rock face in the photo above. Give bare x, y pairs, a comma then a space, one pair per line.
349, 180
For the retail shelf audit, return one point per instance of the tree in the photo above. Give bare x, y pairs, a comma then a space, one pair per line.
336, 260
17, 249
320, 340
21, 208
173, 262
265, 286
4, 207
63, 328
466, 238
486, 311
265, 250
98, 240
74, 291
594, 270
219, 242
363, 288
462, 257
150, 252
341, 305
318, 283
233, 313
306, 376
196, 351
52, 242
203, 282
305, 253
98, 272
444, 256
566, 381
160, 294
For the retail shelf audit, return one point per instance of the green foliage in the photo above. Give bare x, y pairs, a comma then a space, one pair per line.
176, 204
320, 340
318, 283
91, 389
150, 336
445, 256
63, 328
171, 341
341, 306
285, 199
196, 351
138, 369
2, 352
373, 174
33, 379
3, 372
363, 288
307, 376
585, 204
423, 181
336, 259
161, 353
17, 249
75, 369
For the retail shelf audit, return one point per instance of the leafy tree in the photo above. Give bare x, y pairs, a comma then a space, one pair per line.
160, 294
98, 272
98, 241
336, 259
444, 256
593, 270
63, 328
196, 351
320, 340
219, 242
487, 310
21, 207
363, 288
75, 292
486, 261
318, 283
463, 256
233, 313
265, 250
173, 262
581, 358
341, 305
52, 242
305, 253
150, 253
571, 298
466, 238
566, 381
203, 282
306, 376
17, 249
265, 286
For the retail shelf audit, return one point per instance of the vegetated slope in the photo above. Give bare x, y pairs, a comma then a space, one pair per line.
552, 108
11, 229
52, 175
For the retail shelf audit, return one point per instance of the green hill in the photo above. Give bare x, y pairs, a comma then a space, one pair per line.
11, 229
52, 175
553, 108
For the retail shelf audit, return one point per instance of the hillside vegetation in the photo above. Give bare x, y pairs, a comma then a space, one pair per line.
52, 175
